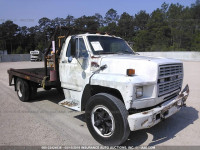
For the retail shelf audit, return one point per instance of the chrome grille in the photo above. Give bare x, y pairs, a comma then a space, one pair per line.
170, 78
169, 70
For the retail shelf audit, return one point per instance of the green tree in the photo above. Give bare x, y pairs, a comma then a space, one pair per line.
196, 42
19, 50
175, 23
44, 23
87, 23
69, 21
111, 16
195, 15
111, 29
8, 32
143, 41
99, 19
195, 12
141, 20
159, 30
126, 26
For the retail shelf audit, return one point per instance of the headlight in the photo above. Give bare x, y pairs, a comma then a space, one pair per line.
139, 92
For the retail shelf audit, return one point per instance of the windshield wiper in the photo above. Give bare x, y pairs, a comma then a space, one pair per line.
120, 52
125, 52
106, 53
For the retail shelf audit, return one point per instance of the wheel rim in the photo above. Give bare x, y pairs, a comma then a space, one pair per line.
103, 121
19, 89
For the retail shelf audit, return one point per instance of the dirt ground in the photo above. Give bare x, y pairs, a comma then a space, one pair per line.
44, 122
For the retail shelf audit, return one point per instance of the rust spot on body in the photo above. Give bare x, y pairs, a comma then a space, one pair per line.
145, 112
144, 122
70, 104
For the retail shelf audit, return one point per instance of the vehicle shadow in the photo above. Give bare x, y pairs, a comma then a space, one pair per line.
81, 117
165, 130
52, 95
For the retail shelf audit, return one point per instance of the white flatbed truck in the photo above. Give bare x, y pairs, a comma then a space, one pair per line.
118, 90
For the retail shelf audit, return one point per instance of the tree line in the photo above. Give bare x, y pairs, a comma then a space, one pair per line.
172, 27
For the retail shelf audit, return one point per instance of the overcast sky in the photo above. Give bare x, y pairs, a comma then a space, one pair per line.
28, 12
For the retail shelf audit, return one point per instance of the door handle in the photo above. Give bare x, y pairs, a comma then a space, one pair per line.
64, 61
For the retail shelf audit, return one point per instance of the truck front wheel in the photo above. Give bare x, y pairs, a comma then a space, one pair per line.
106, 118
22, 89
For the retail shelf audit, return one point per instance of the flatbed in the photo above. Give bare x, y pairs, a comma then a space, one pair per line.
36, 75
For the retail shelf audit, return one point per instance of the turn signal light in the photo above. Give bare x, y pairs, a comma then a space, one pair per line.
130, 72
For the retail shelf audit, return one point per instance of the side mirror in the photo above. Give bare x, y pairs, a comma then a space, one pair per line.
70, 59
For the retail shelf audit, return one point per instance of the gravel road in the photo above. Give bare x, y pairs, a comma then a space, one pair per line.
44, 122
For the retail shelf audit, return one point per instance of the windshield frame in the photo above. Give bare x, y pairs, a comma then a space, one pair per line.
130, 51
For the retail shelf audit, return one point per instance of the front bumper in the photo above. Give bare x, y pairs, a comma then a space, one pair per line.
151, 117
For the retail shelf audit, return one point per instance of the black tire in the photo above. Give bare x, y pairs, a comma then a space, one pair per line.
32, 90
119, 131
47, 88
22, 90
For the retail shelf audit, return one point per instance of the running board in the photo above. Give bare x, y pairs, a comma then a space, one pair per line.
71, 104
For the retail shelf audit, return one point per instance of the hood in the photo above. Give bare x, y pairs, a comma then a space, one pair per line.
144, 66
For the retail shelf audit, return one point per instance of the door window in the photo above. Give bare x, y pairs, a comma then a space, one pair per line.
68, 54
81, 48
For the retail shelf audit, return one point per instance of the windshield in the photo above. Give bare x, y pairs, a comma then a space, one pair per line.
108, 45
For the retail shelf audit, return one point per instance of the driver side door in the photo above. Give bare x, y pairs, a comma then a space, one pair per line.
73, 65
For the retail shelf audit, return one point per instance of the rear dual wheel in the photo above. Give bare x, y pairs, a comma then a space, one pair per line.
24, 90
